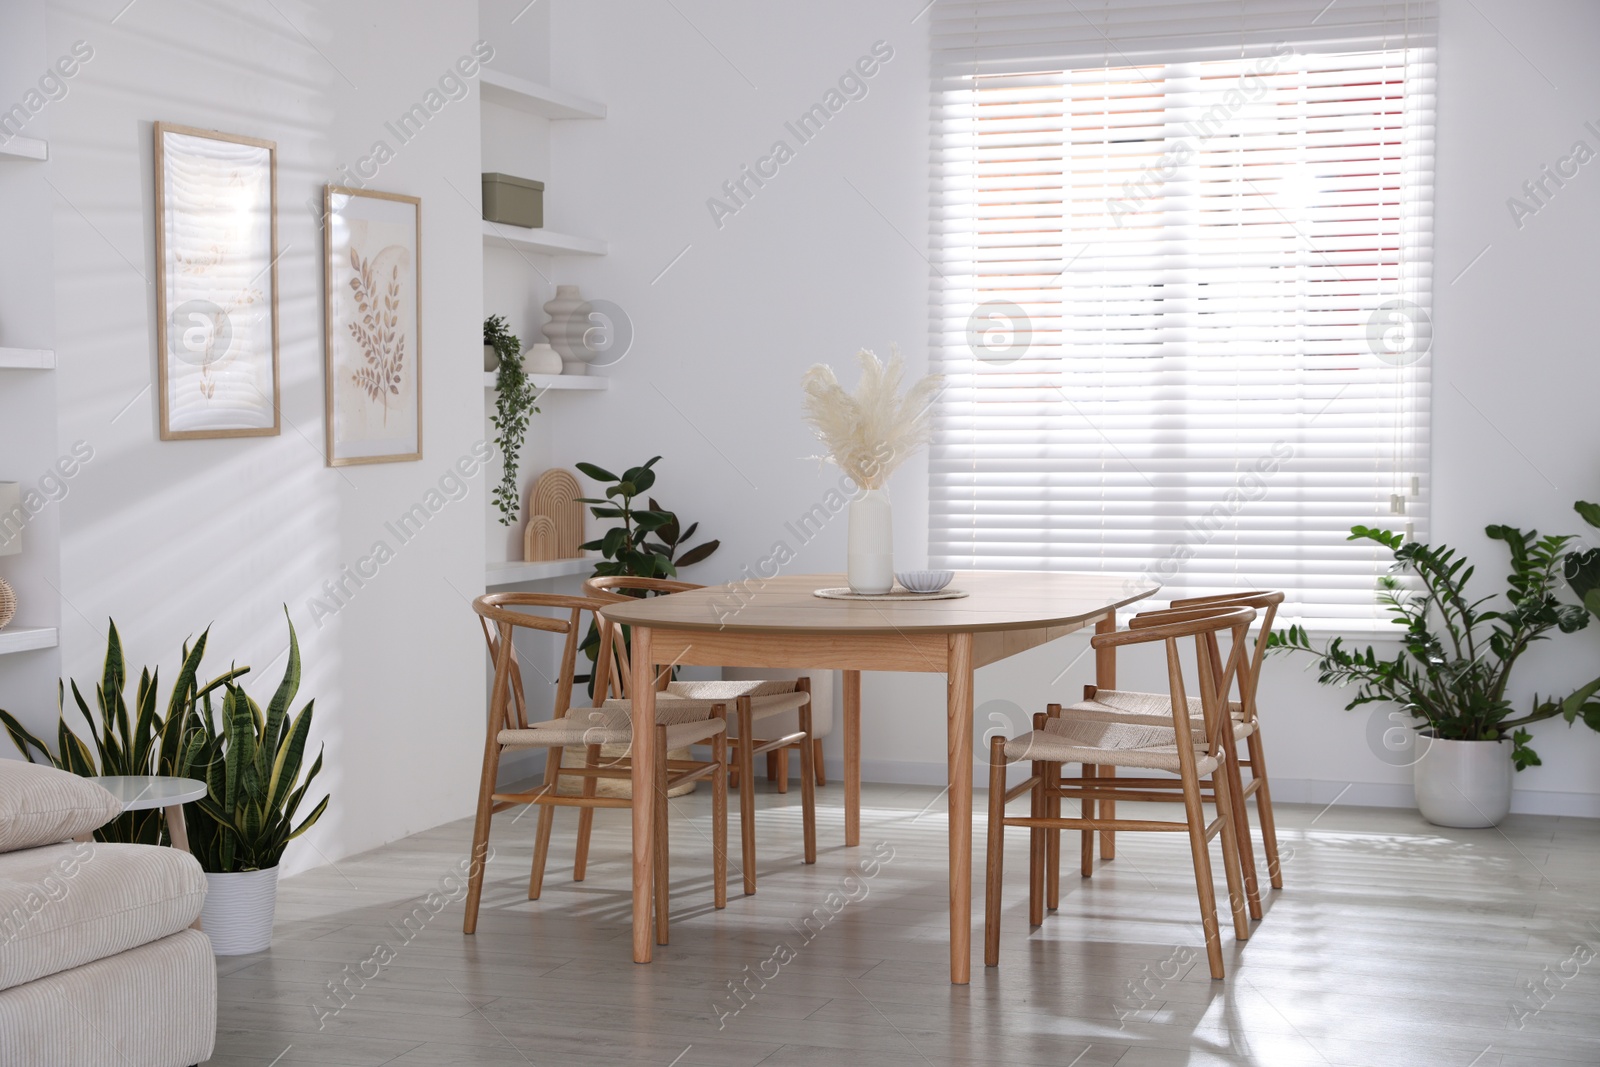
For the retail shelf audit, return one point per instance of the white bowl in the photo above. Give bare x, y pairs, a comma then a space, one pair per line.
924, 581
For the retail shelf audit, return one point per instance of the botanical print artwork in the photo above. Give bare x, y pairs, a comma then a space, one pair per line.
378, 332
218, 343
372, 328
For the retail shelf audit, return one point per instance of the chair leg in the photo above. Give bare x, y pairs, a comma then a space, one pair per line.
783, 767
745, 745
808, 787
1108, 811
816, 761
1241, 825
1231, 863
1052, 850
663, 881
1086, 837
994, 879
547, 818
1207, 890
1036, 843
772, 767
719, 816
480, 833
1269, 825
580, 860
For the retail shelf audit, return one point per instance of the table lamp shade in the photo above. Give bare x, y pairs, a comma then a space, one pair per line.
11, 515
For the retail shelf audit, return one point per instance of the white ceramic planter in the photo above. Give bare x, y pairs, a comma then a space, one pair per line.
239, 911
1462, 783
491, 358
870, 559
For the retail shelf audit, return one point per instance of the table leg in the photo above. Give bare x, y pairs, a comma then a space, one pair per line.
176, 828
852, 757
643, 691
959, 692
1105, 677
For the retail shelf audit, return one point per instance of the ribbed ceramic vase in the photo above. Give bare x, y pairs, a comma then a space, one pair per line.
560, 329
870, 553
239, 911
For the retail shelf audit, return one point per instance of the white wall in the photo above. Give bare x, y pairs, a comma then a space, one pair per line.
168, 538
829, 257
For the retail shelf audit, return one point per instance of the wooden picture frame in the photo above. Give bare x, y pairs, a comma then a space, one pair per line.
372, 325
217, 286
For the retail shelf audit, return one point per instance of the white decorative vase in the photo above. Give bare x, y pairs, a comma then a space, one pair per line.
239, 910
562, 332
541, 359
8, 604
491, 358
870, 559
1462, 783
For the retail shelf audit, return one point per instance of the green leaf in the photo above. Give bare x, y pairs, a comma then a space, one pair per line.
599, 474
650, 521
23, 739
1590, 513
698, 553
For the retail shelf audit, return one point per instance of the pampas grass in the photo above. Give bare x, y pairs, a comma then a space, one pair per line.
872, 432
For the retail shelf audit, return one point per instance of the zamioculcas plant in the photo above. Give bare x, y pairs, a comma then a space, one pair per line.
1455, 659
127, 741
251, 768
1583, 576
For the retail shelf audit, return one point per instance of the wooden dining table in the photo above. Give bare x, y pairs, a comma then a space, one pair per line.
779, 622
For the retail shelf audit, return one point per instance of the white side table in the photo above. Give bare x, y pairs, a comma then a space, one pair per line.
140, 792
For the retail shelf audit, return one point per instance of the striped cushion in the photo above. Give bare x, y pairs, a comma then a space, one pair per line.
40, 805
151, 1005
69, 904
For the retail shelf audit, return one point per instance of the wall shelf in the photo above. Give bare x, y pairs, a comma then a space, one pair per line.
514, 571
27, 359
25, 148
548, 242
559, 382
27, 638
508, 90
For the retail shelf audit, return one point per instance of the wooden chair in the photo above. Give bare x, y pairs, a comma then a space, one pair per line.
1173, 747
608, 722
1117, 705
753, 701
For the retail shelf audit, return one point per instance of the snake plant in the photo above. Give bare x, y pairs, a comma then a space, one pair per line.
251, 766
127, 741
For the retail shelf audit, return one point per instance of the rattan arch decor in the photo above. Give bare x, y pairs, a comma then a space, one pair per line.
555, 521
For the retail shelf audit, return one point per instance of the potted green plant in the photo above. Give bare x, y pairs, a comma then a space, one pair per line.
251, 763
514, 397
1454, 664
128, 740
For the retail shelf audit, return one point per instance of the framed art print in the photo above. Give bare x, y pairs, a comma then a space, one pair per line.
372, 326
217, 295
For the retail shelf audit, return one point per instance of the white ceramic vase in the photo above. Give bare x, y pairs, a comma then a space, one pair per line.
541, 359
870, 556
562, 332
1462, 783
239, 911
491, 358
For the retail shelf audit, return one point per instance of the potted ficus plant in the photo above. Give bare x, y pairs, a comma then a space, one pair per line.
251, 762
514, 397
1454, 665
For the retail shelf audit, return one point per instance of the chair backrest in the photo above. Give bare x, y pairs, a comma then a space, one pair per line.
620, 588
1215, 678
499, 615
1264, 601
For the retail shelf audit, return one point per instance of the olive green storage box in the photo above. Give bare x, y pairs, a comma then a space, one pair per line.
513, 201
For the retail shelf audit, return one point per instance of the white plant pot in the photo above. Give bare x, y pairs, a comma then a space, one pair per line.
239, 911
1462, 783
870, 559
491, 358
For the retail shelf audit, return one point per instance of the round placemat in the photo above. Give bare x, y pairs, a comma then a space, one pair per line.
843, 593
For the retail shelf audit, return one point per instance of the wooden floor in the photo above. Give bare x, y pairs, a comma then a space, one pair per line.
1393, 943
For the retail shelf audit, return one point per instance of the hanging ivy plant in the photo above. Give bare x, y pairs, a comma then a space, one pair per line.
514, 398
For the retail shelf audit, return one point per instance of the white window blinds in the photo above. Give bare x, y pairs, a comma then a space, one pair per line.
1182, 265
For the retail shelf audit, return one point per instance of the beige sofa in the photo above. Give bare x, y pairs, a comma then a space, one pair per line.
98, 963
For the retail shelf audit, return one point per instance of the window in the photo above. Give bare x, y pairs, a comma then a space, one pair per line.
1182, 266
